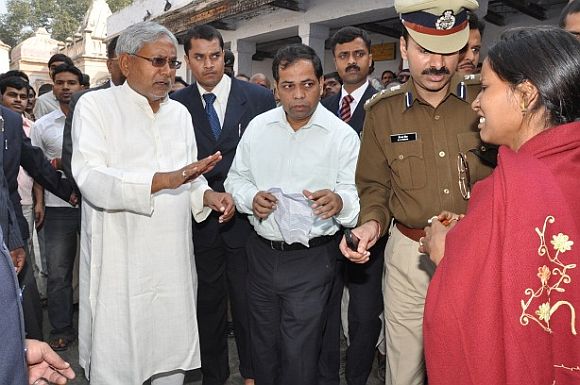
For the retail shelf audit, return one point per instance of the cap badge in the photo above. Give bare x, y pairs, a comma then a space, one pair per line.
446, 21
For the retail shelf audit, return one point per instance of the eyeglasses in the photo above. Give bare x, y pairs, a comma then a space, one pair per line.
464, 180
160, 62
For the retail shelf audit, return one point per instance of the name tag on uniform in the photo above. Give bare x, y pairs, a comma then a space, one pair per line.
408, 137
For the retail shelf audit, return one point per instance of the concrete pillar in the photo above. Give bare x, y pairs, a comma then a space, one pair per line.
243, 50
314, 36
4, 57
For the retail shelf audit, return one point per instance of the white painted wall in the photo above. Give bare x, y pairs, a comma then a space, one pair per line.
4, 57
138, 9
279, 23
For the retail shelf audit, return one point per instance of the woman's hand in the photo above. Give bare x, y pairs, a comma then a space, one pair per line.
433, 243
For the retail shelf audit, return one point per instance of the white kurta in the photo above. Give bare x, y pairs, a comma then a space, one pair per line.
138, 281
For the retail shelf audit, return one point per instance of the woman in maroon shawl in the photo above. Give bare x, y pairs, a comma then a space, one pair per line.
504, 303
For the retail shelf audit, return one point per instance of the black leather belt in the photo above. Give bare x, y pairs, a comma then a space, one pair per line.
283, 246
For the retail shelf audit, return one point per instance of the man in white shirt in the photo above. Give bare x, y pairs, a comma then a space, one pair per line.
61, 220
48, 102
135, 163
304, 150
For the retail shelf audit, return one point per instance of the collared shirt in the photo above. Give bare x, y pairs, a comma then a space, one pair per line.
320, 155
45, 104
413, 177
222, 93
46, 133
356, 94
25, 182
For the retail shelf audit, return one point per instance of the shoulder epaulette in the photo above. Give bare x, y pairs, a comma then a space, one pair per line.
386, 93
467, 82
473, 79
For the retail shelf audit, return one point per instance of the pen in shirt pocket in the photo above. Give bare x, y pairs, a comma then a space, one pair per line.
240, 130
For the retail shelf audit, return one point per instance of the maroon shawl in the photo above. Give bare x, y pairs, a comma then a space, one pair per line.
503, 305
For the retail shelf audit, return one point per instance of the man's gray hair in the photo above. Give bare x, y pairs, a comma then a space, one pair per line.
136, 36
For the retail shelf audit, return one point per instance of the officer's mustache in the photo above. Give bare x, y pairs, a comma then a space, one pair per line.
352, 66
435, 71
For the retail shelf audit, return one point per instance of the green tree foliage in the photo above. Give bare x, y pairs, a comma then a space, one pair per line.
117, 5
61, 18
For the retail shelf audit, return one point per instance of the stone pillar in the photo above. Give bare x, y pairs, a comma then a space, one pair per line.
4, 57
314, 36
243, 50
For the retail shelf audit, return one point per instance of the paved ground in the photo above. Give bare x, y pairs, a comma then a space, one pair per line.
192, 378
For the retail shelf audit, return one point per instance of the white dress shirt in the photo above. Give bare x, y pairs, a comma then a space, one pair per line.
46, 133
25, 182
320, 155
356, 94
222, 93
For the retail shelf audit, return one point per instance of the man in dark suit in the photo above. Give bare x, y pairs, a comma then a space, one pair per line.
352, 57
221, 107
18, 151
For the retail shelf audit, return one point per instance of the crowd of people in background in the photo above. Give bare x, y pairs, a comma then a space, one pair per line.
428, 216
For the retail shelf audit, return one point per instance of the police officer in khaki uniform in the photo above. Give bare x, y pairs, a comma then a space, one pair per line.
419, 156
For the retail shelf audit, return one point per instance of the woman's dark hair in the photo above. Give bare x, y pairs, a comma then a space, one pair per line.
291, 54
548, 58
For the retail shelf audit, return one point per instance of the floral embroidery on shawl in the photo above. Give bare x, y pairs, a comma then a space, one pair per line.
553, 277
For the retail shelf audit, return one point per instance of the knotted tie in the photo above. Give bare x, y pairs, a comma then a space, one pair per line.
345, 108
212, 116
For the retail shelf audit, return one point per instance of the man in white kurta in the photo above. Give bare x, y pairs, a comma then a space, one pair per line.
138, 278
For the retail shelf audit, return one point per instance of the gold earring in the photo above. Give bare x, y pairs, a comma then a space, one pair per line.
524, 108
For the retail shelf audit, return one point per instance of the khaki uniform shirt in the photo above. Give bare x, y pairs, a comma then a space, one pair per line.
407, 167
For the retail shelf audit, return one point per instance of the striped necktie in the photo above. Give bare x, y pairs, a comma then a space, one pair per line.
345, 108
211, 114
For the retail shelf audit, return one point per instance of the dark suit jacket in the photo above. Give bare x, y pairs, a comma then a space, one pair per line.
13, 370
246, 100
358, 117
18, 151
66, 155
9, 225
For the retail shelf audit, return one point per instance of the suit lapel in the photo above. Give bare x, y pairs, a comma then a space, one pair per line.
334, 104
234, 112
195, 107
358, 116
